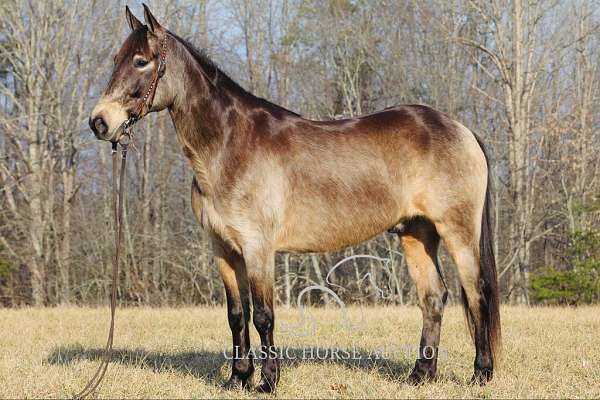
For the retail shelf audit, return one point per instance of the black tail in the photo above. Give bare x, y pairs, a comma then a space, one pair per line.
490, 300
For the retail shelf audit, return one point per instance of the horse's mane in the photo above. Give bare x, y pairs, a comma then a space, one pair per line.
221, 79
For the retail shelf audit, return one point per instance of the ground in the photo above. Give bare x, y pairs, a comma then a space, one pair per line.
360, 353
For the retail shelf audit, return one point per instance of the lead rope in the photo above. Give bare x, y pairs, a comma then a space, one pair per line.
118, 200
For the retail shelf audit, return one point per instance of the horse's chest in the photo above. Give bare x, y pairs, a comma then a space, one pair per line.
220, 223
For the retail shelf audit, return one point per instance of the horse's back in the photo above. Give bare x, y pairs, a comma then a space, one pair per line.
352, 179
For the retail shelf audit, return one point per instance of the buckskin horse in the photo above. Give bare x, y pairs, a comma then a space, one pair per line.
267, 179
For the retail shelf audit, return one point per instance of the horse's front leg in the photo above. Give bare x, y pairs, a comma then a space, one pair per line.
233, 272
261, 269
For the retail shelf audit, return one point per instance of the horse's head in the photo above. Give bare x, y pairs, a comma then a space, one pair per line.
129, 92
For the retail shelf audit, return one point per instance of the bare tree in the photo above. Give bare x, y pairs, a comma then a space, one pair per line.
523, 75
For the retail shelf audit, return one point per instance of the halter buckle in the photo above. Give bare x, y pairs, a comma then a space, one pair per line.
127, 133
129, 124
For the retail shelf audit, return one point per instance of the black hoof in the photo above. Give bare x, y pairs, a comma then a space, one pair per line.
269, 376
419, 377
482, 376
264, 386
236, 383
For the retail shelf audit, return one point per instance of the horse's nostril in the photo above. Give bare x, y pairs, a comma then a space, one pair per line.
98, 126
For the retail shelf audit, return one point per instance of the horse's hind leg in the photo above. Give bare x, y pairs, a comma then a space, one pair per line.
233, 272
420, 241
462, 240
261, 269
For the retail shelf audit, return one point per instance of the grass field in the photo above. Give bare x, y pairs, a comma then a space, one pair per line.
166, 353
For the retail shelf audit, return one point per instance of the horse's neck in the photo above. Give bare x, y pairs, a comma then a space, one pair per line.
200, 118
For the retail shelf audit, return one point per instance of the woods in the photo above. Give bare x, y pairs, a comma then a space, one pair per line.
523, 75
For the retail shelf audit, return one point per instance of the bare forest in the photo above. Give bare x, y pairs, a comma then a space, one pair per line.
524, 75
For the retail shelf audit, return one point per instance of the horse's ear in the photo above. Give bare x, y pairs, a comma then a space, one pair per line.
153, 25
133, 22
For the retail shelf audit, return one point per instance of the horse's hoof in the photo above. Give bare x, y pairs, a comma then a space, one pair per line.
235, 383
419, 377
264, 386
482, 376
415, 379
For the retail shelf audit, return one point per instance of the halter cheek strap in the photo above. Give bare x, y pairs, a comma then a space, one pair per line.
148, 98
145, 104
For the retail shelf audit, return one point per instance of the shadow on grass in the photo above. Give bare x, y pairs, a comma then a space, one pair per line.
200, 364
209, 364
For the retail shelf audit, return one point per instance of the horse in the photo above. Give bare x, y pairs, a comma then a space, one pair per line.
267, 180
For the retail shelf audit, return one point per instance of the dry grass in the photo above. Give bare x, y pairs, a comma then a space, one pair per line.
548, 352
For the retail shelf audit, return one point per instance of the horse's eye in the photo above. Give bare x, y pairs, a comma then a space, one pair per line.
140, 62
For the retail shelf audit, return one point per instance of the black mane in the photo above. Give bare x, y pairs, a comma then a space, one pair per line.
221, 79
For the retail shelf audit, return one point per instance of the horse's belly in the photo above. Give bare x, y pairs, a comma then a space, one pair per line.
332, 224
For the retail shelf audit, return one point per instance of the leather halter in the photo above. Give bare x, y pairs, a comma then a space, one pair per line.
145, 104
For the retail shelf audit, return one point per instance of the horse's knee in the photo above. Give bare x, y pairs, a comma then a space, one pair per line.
236, 317
263, 318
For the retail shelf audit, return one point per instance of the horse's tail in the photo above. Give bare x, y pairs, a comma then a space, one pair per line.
490, 297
